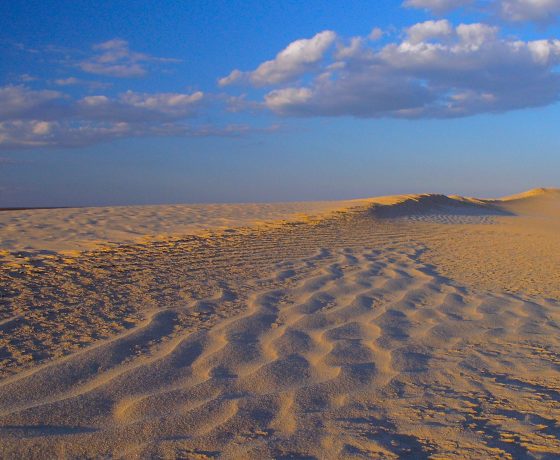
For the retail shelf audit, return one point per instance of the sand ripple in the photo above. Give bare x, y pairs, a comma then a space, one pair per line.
332, 339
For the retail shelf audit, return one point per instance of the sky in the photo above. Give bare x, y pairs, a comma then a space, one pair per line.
117, 103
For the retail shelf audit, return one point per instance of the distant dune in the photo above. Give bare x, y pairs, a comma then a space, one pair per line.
432, 204
549, 193
410, 326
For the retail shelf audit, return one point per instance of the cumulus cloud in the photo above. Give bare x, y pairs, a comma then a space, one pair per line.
30, 118
37, 133
114, 58
132, 106
170, 103
425, 31
20, 102
241, 104
436, 70
17, 101
297, 58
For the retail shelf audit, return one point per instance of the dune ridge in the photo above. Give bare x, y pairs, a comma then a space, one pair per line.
81, 229
347, 335
78, 229
436, 204
535, 192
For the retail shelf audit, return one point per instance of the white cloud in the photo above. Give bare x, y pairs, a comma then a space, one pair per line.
18, 101
73, 81
541, 11
240, 103
375, 34
42, 128
427, 30
36, 133
25, 134
353, 48
296, 59
26, 78
544, 51
234, 76
529, 10
173, 103
67, 81
114, 58
139, 107
476, 35
294, 97
437, 70
30, 118
94, 101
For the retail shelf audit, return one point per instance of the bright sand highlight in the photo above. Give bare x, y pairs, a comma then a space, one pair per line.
417, 326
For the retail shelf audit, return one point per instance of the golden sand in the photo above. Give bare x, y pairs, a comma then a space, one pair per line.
418, 326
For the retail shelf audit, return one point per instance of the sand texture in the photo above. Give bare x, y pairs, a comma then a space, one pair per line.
418, 326
69, 229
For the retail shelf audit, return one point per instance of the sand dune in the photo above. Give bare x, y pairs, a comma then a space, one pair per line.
518, 253
70, 229
418, 326
442, 208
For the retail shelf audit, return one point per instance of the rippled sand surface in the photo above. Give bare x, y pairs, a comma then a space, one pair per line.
411, 327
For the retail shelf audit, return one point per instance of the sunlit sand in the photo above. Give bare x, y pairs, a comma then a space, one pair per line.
416, 326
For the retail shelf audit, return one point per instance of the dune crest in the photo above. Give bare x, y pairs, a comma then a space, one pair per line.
536, 192
426, 204
79, 229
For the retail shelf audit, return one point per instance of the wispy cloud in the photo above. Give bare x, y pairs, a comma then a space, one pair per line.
22, 134
115, 58
111, 58
540, 11
530, 10
73, 81
26, 78
437, 6
8, 161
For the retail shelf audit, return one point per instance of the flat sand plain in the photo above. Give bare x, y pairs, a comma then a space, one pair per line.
418, 326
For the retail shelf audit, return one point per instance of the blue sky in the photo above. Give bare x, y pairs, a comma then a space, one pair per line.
223, 101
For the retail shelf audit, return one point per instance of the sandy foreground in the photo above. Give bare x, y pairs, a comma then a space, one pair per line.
418, 326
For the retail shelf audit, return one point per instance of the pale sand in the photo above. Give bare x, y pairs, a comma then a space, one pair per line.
402, 327
69, 229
